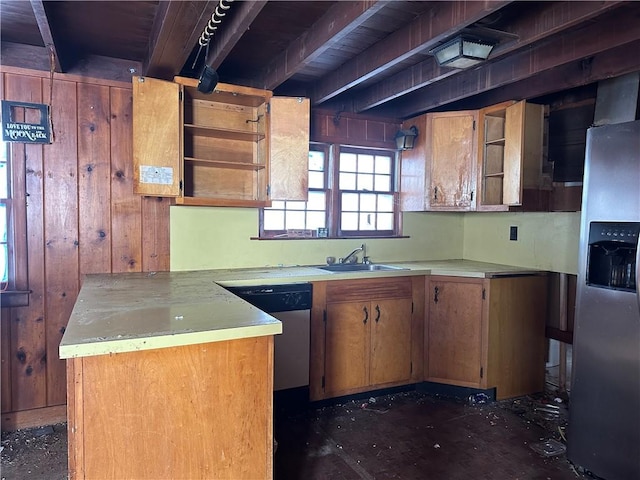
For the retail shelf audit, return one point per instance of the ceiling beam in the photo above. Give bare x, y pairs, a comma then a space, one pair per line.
608, 32
47, 35
176, 29
607, 64
442, 21
552, 18
228, 33
339, 21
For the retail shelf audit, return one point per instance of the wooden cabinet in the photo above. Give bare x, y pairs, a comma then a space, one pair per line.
487, 333
510, 154
440, 172
365, 335
193, 411
219, 148
474, 160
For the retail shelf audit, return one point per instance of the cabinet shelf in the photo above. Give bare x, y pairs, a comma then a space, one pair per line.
225, 164
224, 133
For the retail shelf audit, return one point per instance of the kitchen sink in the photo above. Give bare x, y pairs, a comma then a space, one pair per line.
358, 267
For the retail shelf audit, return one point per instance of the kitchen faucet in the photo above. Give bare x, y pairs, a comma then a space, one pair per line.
347, 259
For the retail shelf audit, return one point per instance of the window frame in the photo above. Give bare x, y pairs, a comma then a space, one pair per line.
339, 233
333, 195
15, 293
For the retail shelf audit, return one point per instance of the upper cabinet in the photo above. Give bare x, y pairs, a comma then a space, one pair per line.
440, 172
225, 148
510, 154
473, 160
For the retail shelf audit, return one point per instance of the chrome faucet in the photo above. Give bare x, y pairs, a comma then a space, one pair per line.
347, 259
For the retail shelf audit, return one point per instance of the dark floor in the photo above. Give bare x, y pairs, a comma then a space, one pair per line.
408, 435
418, 436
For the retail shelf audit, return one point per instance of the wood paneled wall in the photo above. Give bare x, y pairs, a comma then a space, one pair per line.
82, 217
353, 129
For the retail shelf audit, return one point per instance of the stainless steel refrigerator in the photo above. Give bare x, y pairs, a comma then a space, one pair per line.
604, 408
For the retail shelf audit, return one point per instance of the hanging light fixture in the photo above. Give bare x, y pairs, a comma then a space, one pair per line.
462, 52
208, 78
405, 139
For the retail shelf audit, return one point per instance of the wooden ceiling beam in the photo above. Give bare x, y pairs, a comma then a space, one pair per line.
596, 37
607, 64
443, 20
339, 21
552, 18
46, 33
228, 34
176, 29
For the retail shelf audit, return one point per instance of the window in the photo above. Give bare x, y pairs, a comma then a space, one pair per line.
13, 266
298, 218
351, 193
5, 220
367, 193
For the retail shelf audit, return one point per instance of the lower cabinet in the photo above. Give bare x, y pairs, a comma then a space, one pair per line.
487, 333
365, 335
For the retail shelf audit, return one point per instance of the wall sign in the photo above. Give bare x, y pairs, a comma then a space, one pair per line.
14, 130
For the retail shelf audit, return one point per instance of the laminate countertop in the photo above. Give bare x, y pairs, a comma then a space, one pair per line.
127, 312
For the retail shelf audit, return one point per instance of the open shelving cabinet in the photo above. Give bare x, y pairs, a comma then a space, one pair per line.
223, 142
510, 153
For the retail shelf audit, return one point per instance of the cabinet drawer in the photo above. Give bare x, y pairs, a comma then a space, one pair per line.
351, 290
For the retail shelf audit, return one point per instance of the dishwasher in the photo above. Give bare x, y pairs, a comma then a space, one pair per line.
291, 304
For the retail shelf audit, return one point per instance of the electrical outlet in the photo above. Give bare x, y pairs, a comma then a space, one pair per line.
513, 233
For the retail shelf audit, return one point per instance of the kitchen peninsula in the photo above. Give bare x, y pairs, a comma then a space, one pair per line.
168, 376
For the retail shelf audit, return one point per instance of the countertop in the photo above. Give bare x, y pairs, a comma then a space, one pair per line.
139, 311
289, 274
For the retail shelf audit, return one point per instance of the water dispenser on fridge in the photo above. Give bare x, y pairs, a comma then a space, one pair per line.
612, 255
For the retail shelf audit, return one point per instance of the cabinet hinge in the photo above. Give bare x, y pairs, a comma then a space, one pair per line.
484, 294
481, 372
411, 307
324, 316
180, 185
474, 125
268, 190
411, 368
268, 108
180, 95
323, 382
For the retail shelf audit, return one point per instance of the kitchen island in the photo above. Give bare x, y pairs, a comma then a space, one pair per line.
168, 376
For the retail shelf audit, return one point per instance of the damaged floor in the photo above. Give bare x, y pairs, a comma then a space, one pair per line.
408, 435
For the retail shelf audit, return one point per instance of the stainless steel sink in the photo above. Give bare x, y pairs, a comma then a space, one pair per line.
358, 267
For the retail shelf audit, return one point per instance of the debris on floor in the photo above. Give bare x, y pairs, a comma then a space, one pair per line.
549, 448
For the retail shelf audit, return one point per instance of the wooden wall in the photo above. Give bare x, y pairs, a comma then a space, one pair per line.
82, 217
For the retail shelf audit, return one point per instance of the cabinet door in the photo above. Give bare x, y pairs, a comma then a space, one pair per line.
452, 143
157, 149
524, 128
289, 145
347, 337
390, 341
455, 332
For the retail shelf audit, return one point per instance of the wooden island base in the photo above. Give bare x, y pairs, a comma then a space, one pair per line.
195, 411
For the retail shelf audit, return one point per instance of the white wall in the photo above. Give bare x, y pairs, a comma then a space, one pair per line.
209, 238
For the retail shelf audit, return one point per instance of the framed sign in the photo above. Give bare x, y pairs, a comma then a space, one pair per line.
14, 130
